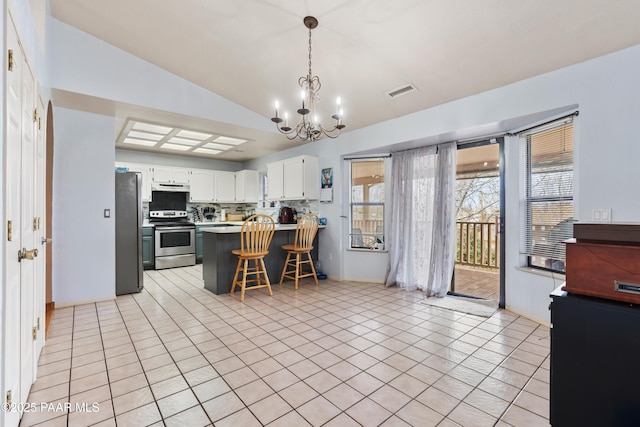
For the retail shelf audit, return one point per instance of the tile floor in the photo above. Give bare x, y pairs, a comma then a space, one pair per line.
339, 354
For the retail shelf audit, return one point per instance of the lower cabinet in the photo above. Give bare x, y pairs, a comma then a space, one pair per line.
199, 229
148, 248
594, 357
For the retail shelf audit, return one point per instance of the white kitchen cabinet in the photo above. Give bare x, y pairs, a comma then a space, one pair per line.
146, 173
172, 175
294, 179
201, 188
247, 183
225, 186
275, 181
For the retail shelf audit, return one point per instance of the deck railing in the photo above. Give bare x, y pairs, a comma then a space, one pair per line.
477, 244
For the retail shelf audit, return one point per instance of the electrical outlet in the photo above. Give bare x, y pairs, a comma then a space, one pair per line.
601, 215
107, 213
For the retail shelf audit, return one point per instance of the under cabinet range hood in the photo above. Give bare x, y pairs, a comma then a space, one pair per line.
166, 186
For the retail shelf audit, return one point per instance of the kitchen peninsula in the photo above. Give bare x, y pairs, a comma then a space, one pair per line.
219, 264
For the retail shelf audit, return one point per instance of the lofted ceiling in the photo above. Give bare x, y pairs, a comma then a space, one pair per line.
252, 52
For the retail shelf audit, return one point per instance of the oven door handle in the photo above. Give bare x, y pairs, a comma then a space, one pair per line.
180, 227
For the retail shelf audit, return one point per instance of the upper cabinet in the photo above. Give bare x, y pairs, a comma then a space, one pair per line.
201, 187
294, 179
205, 186
247, 183
147, 176
173, 175
225, 186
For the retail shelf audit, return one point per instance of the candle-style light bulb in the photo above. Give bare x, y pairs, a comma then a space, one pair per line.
277, 106
338, 101
302, 97
286, 119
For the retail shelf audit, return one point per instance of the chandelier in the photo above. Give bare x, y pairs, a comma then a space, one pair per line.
309, 128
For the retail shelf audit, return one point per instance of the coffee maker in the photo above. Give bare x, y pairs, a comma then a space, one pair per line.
287, 216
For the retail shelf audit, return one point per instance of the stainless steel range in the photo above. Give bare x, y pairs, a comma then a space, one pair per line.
174, 234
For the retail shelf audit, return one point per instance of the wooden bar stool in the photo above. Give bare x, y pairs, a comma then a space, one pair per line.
255, 238
303, 244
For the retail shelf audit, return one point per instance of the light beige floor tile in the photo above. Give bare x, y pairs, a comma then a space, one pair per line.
389, 398
49, 394
318, 411
487, 402
467, 415
394, 421
128, 384
365, 383
91, 414
132, 400
416, 414
343, 396
342, 420
517, 416
195, 417
270, 408
289, 419
368, 413
222, 406
253, 392
177, 402
298, 394
142, 416
533, 403
88, 383
89, 397
210, 389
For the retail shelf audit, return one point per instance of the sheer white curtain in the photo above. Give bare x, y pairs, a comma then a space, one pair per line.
422, 230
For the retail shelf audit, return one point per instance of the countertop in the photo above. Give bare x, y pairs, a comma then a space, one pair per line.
237, 228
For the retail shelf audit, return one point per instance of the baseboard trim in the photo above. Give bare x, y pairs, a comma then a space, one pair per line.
91, 301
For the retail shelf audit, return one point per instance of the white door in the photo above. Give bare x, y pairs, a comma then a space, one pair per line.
40, 180
13, 170
29, 223
20, 356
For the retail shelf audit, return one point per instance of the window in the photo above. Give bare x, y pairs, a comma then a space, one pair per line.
548, 190
367, 204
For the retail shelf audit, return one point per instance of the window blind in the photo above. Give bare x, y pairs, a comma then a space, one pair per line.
548, 169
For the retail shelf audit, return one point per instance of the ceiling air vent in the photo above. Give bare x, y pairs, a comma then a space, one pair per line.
402, 90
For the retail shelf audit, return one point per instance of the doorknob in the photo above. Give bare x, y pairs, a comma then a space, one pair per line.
25, 254
46, 240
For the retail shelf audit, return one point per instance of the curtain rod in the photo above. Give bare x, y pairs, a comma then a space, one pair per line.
490, 138
574, 114
381, 156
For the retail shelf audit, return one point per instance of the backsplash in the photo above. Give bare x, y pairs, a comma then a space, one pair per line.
301, 206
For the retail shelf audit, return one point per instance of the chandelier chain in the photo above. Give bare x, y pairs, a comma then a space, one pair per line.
309, 128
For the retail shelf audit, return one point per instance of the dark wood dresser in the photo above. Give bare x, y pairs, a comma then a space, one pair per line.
595, 339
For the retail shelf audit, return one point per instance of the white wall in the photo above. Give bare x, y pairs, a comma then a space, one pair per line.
83, 186
606, 153
179, 161
85, 64
605, 89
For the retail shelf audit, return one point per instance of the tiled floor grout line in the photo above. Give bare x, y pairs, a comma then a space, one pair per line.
380, 327
362, 351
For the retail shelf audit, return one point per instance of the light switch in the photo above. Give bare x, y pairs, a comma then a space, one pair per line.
601, 215
107, 213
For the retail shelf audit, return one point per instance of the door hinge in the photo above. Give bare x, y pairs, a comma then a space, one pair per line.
39, 123
8, 398
34, 332
9, 230
10, 60
38, 323
35, 115
35, 223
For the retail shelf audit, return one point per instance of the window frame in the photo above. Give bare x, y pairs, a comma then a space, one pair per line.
530, 200
378, 243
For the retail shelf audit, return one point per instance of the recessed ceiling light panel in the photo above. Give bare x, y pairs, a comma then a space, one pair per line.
145, 135
176, 147
194, 135
215, 146
228, 140
148, 127
144, 142
402, 90
206, 151
184, 141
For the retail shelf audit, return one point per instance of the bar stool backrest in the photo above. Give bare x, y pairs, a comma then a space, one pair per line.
256, 234
306, 231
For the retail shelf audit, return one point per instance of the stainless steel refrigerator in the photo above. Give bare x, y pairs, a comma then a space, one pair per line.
128, 217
